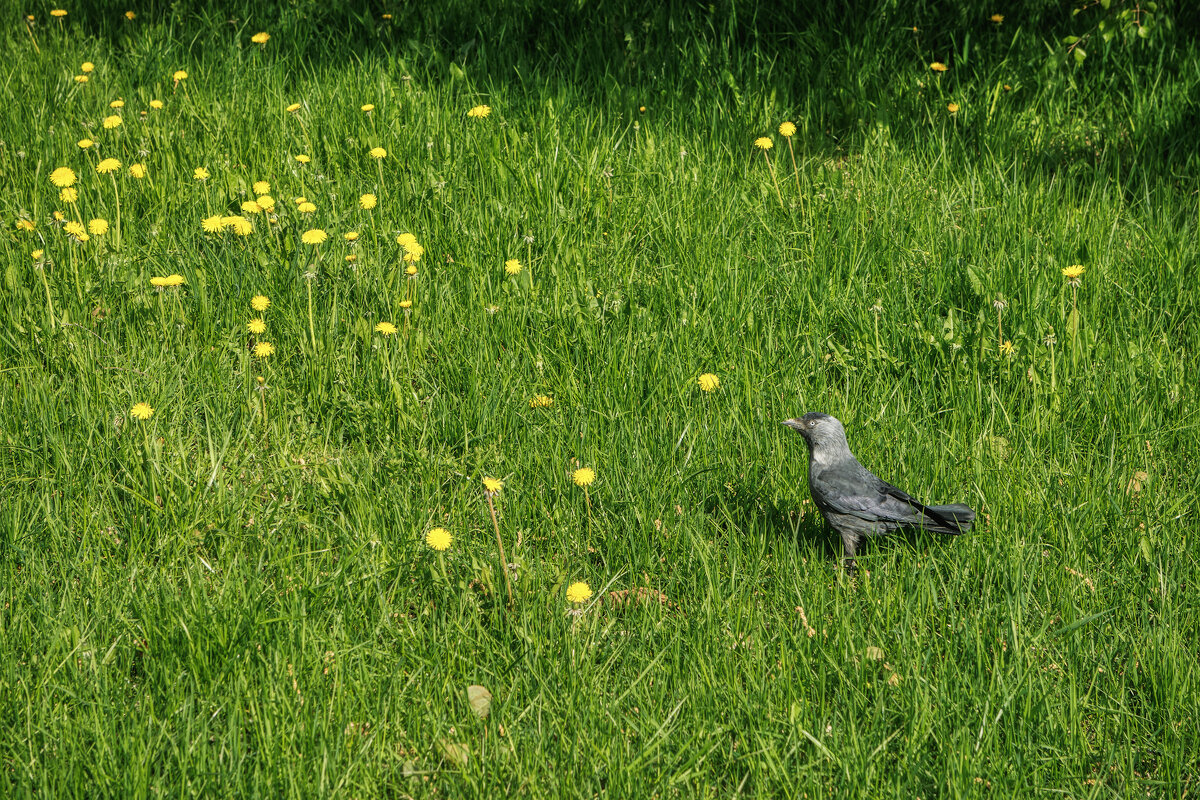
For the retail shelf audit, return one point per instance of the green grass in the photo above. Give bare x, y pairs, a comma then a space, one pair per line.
214, 602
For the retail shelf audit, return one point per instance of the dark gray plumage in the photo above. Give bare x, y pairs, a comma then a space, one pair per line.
854, 501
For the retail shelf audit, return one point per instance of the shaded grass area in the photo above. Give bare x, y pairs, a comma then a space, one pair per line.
235, 595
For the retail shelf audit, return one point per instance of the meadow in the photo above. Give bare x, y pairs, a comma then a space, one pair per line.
308, 312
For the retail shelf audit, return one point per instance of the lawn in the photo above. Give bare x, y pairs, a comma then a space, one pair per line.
300, 330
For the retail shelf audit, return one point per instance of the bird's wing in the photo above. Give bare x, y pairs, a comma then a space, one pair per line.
861, 494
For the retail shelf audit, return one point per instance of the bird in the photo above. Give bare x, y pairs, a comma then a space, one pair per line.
854, 501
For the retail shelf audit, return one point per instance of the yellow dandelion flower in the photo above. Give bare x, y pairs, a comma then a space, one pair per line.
81, 78
256, 326
58, 12
63, 176
251, 207
156, 104
314, 236
438, 538
303, 159
158, 282
175, 279
367, 107
306, 208
1007, 348
763, 143
25, 225
98, 227
200, 174
267, 202
1073, 272
299, 200
938, 66
37, 254
84, 143
583, 476
578, 592
117, 104
997, 18
492, 486
787, 130
386, 328
75, 229
264, 349
130, 15
241, 226
479, 112
141, 411
512, 266
179, 75
58, 215
108, 165
540, 401
213, 224
112, 121
260, 38
406, 239
377, 152
87, 66
350, 236
137, 170
262, 187
68, 195
952, 108
413, 251
367, 202
351, 258
294, 107
709, 382
405, 304
411, 270
259, 302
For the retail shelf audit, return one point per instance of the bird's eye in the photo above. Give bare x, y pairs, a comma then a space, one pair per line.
812, 423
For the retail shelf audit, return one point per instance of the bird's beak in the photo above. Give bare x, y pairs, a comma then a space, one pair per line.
794, 424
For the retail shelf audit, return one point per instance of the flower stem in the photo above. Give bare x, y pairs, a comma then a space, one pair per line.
41, 269
774, 180
311, 334
117, 195
500, 544
29, 29
795, 169
588, 498
262, 395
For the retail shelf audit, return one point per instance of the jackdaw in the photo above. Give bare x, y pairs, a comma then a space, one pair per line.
854, 501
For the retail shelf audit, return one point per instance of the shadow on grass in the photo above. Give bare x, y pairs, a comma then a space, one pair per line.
838, 69
741, 510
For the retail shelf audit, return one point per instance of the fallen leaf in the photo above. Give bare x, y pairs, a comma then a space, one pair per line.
454, 751
480, 700
874, 653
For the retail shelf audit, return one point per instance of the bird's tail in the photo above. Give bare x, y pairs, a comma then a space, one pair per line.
952, 519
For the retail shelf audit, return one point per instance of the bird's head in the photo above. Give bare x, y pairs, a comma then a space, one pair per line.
819, 430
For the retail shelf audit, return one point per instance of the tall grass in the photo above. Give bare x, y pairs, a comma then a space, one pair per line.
235, 596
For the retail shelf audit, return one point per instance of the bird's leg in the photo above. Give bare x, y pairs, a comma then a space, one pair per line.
849, 544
